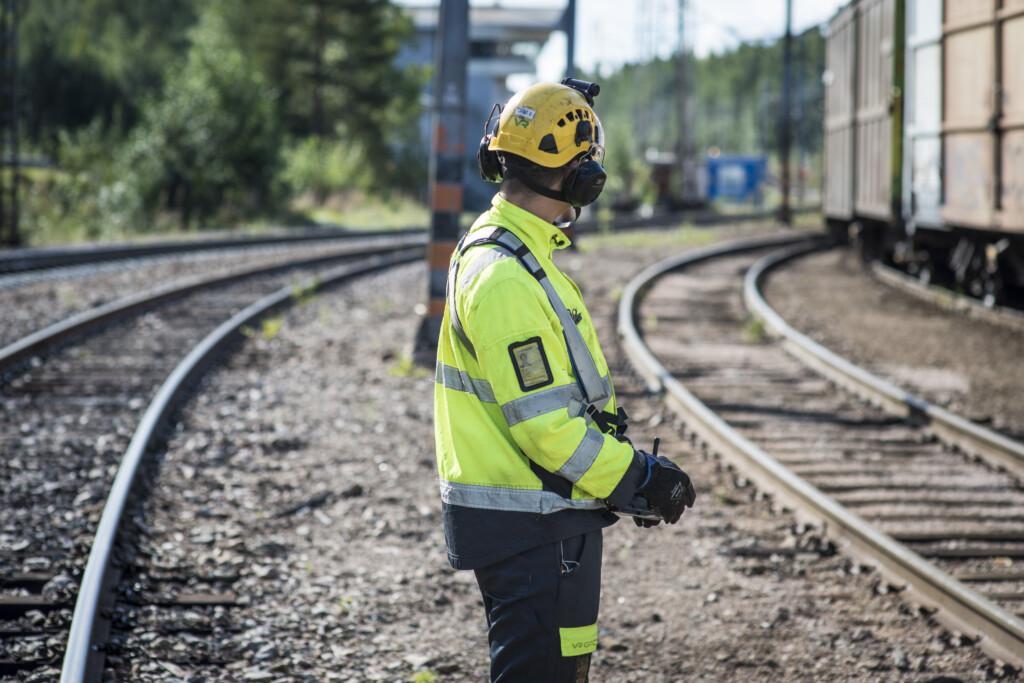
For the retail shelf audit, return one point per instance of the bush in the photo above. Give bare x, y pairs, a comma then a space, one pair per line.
320, 166
88, 198
212, 140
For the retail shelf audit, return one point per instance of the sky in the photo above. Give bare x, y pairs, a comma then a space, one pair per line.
610, 33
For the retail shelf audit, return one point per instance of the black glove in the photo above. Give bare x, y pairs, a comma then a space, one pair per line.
646, 523
668, 490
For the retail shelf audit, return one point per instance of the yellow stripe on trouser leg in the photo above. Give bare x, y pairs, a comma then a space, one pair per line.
579, 640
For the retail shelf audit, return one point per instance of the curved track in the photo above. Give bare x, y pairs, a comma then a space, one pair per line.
947, 299
66, 420
942, 525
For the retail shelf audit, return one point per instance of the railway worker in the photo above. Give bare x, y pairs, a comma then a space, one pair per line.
531, 454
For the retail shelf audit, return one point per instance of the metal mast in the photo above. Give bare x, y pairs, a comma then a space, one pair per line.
684, 144
446, 160
569, 23
10, 234
786, 117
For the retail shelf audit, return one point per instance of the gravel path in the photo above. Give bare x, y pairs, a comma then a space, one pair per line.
970, 366
302, 479
32, 301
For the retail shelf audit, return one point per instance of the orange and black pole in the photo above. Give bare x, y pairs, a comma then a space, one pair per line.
447, 158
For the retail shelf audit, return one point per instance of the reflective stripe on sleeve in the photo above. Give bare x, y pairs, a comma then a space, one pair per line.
583, 457
453, 378
512, 500
567, 396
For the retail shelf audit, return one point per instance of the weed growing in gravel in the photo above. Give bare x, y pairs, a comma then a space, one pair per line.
383, 305
344, 604
405, 367
271, 327
425, 676
305, 292
753, 331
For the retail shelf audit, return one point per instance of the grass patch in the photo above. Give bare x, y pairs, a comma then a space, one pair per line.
684, 236
345, 604
305, 292
753, 331
269, 328
405, 367
356, 211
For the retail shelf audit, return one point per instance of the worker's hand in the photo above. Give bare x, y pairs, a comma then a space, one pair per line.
668, 489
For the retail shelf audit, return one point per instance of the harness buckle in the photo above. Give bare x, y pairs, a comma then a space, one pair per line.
609, 423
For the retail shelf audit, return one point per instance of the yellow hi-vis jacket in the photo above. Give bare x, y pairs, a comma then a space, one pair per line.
520, 460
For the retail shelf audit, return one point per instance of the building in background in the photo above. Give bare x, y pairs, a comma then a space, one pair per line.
504, 41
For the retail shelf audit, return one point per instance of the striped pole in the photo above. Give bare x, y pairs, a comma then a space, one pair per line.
569, 26
446, 161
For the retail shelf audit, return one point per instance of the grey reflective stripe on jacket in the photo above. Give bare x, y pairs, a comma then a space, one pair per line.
453, 378
512, 500
567, 396
530, 406
595, 391
583, 457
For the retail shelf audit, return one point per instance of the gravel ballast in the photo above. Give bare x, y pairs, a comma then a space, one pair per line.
972, 367
31, 301
301, 480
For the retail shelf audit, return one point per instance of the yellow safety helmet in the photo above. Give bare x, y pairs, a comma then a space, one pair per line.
549, 124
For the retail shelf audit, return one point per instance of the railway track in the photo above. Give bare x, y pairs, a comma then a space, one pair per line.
75, 428
942, 523
948, 299
45, 258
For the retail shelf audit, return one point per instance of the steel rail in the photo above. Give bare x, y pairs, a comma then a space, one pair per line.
83, 655
961, 609
26, 260
25, 348
676, 218
968, 436
947, 299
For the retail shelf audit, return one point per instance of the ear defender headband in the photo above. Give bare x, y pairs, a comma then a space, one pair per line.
487, 159
582, 186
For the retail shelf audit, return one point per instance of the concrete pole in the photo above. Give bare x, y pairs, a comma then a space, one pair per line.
447, 156
569, 23
786, 117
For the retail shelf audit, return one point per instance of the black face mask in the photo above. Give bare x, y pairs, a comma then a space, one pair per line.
581, 187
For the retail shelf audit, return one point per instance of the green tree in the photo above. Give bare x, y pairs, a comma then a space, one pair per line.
735, 101
212, 139
333, 65
88, 59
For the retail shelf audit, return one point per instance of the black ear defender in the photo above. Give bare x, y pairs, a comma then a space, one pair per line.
584, 184
487, 159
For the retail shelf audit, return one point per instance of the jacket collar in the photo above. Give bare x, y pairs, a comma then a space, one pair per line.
540, 236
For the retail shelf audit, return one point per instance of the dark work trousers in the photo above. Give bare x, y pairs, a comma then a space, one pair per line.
541, 608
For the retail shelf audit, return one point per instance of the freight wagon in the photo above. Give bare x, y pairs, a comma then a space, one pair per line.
924, 138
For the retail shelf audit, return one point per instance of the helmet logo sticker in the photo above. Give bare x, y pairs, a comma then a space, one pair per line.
524, 116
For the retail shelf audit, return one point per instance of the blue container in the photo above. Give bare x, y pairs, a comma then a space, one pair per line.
736, 177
